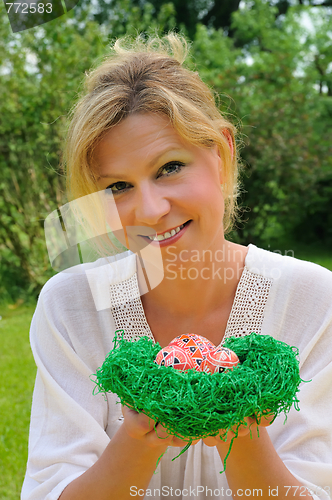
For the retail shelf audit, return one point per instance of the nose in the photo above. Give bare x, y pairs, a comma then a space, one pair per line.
150, 204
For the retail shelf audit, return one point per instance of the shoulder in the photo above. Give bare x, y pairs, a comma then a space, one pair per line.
299, 289
288, 270
299, 307
74, 309
87, 285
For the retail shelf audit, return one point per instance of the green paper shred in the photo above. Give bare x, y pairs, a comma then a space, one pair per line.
194, 405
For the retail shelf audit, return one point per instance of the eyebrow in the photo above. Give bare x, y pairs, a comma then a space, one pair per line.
150, 164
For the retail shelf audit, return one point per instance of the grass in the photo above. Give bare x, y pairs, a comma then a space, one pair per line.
18, 373
16, 384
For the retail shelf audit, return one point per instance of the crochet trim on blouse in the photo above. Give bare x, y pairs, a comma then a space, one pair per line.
246, 315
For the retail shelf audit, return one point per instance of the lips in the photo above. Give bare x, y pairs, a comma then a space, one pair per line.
167, 234
170, 235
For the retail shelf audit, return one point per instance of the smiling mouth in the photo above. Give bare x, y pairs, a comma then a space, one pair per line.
169, 233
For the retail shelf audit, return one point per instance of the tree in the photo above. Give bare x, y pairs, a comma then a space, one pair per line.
39, 92
284, 119
274, 80
188, 13
42, 70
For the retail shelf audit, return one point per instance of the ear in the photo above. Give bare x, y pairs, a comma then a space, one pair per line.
216, 152
229, 138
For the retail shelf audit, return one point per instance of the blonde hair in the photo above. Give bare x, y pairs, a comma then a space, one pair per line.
148, 77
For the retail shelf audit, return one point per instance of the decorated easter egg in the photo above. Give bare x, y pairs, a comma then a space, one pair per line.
219, 360
175, 357
197, 357
193, 343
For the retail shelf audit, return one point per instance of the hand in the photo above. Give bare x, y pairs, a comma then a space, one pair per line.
243, 430
140, 426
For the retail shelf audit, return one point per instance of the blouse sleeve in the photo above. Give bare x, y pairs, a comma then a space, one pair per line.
68, 423
299, 312
304, 441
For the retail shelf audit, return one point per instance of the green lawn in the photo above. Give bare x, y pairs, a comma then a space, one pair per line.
16, 384
18, 373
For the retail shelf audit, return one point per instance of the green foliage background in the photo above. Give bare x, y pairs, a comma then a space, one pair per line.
273, 76
274, 79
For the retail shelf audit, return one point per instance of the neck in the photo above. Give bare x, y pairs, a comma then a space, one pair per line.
197, 283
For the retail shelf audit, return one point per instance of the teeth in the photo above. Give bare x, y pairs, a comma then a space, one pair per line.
167, 234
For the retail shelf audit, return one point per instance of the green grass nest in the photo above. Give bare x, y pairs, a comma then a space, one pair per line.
194, 405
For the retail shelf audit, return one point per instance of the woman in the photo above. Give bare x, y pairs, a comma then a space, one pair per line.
148, 131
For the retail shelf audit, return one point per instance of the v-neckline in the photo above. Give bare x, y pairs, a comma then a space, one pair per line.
246, 315
226, 334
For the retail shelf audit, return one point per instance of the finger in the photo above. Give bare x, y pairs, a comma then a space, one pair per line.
137, 424
165, 436
164, 433
244, 429
265, 420
159, 436
124, 410
210, 441
241, 430
195, 441
177, 442
183, 441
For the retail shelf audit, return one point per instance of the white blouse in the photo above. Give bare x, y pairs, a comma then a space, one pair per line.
71, 334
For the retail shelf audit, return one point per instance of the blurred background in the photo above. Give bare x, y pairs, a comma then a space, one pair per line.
270, 62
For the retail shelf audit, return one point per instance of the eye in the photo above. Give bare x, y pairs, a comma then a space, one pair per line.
118, 187
171, 168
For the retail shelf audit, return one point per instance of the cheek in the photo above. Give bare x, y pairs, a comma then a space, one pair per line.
117, 219
207, 195
118, 214
210, 205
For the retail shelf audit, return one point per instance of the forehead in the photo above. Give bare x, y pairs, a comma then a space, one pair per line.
139, 137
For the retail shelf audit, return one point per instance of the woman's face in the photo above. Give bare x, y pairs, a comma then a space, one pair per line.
161, 182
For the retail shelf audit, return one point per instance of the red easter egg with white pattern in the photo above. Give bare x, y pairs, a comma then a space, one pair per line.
192, 342
219, 360
197, 357
175, 357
